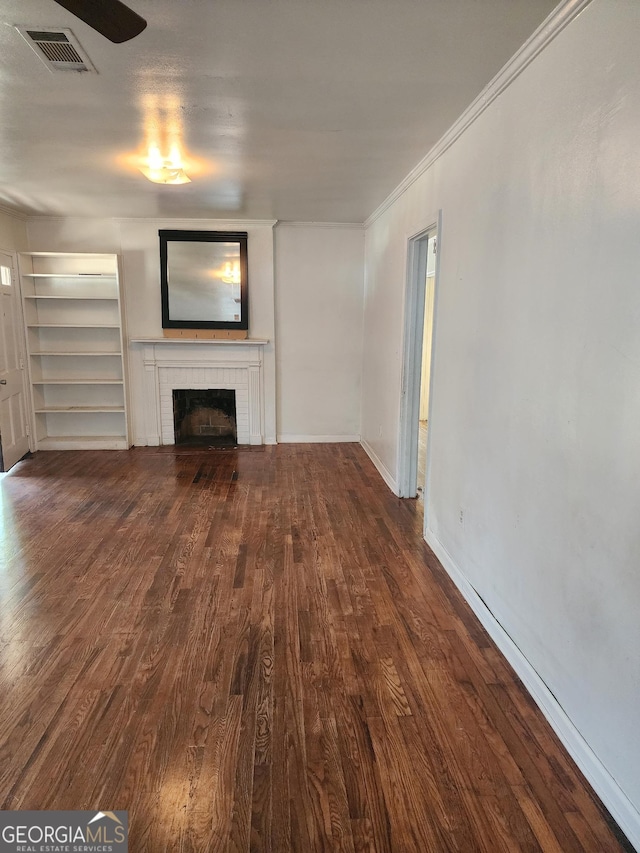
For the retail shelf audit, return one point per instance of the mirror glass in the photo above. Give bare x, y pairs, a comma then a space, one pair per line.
203, 277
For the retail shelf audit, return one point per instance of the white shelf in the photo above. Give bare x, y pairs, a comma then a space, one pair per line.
77, 353
93, 256
75, 276
73, 318
76, 298
67, 409
83, 442
77, 382
72, 326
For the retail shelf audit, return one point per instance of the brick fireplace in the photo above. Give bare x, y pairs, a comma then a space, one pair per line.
202, 365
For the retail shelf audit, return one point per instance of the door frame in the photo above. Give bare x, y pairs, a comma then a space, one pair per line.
414, 304
21, 341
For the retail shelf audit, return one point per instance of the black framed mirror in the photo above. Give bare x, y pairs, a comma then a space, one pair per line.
203, 279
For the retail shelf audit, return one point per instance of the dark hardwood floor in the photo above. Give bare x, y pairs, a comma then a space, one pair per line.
257, 651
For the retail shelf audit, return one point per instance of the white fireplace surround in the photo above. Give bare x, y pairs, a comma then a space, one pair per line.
172, 364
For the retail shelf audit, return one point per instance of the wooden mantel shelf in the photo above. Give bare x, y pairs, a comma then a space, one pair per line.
224, 341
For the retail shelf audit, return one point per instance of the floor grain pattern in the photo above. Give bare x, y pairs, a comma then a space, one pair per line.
258, 652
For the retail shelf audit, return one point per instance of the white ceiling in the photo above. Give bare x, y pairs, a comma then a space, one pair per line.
309, 110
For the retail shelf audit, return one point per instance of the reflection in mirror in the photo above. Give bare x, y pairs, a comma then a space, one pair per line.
204, 278
204, 281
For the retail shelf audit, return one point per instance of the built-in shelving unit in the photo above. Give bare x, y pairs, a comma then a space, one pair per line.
74, 330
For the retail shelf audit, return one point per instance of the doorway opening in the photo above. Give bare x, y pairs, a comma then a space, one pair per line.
417, 366
14, 431
425, 372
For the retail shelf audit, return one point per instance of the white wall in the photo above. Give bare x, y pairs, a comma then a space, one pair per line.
536, 395
319, 293
13, 232
318, 300
137, 241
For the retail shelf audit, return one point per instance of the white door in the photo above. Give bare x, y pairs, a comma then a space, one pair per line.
13, 411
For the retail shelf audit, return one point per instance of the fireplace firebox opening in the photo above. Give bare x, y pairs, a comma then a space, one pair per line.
205, 417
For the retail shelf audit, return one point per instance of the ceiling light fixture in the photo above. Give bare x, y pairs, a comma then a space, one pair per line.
165, 170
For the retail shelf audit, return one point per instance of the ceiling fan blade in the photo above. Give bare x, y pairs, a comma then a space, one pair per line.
110, 18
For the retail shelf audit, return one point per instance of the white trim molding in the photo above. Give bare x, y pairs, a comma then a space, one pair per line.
552, 26
622, 810
294, 223
382, 468
12, 212
317, 439
160, 222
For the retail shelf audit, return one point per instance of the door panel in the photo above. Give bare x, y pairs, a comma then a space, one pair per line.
13, 410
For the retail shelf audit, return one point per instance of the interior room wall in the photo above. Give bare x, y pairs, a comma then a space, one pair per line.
319, 297
13, 232
318, 302
535, 460
136, 240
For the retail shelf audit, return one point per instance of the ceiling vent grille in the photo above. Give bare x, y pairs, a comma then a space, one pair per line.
58, 48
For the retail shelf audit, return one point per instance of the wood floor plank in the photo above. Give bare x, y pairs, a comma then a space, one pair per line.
256, 651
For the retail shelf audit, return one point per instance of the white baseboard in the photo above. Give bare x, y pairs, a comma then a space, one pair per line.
316, 439
382, 468
146, 441
620, 807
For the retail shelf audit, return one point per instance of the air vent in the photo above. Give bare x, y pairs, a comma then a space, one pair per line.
58, 48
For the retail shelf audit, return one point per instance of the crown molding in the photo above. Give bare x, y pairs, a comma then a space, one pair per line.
169, 220
189, 220
294, 223
552, 26
16, 214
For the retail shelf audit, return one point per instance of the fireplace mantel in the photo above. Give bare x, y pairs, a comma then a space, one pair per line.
201, 363
242, 342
